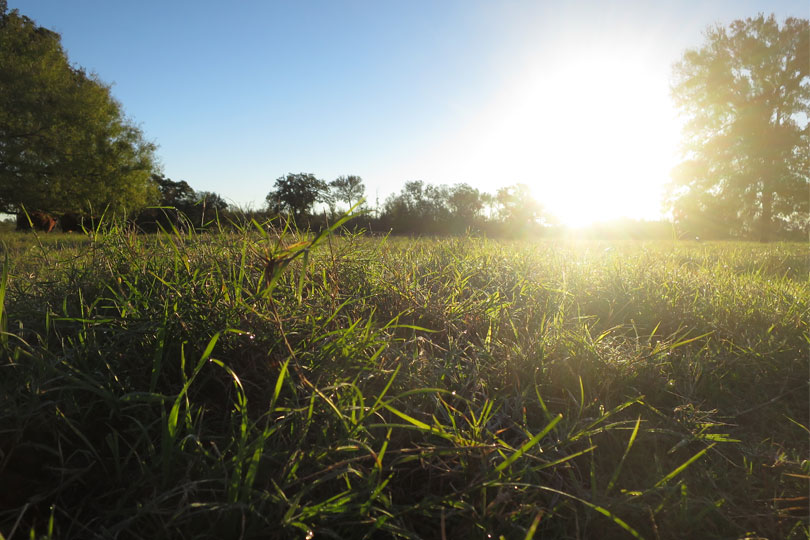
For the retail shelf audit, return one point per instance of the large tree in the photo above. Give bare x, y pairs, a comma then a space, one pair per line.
296, 193
65, 143
348, 189
746, 98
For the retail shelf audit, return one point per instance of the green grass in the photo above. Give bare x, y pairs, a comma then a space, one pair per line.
224, 385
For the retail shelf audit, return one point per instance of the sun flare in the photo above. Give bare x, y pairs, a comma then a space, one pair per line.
607, 138
594, 135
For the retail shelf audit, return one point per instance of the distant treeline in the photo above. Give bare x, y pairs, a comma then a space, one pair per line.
306, 203
426, 209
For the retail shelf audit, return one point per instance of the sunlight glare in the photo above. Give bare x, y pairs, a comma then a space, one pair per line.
593, 133
608, 140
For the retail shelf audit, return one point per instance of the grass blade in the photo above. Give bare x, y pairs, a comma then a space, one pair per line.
528, 445
618, 469
683, 466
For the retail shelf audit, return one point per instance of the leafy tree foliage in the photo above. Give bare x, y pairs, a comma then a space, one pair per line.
465, 202
419, 208
423, 208
517, 206
488, 202
180, 206
212, 201
348, 189
207, 206
295, 194
177, 194
746, 96
64, 141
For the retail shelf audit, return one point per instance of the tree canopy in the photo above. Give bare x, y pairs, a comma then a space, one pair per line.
518, 207
295, 194
348, 189
65, 143
180, 206
428, 209
746, 98
465, 202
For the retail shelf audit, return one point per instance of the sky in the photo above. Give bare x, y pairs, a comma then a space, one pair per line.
570, 98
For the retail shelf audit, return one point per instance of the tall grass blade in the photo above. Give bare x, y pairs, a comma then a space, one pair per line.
604, 511
683, 466
618, 469
528, 445
533, 528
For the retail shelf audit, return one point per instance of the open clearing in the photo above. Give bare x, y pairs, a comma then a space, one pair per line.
156, 386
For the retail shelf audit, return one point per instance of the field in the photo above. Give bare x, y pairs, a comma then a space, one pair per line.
247, 385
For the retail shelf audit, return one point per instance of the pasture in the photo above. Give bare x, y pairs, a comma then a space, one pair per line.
244, 385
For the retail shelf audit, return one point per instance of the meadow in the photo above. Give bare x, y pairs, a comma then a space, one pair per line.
263, 384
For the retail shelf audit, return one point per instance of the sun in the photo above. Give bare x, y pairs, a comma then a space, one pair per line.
606, 139
592, 132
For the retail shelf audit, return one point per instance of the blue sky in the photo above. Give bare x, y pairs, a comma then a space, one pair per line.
568, 97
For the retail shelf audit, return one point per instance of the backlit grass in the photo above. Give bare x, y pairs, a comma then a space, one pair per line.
255, 385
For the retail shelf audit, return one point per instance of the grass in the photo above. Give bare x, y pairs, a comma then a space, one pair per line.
261, 384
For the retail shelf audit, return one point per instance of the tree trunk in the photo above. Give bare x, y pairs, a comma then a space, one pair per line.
767, 212
768, 182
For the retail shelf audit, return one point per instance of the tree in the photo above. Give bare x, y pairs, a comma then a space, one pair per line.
488, 201
64, 140
403, 211
181, 206
465, 202
177, 194
746, 97
518, 208
207, 207
296, 193
175, 200
348, 189
212, 201
418, 208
